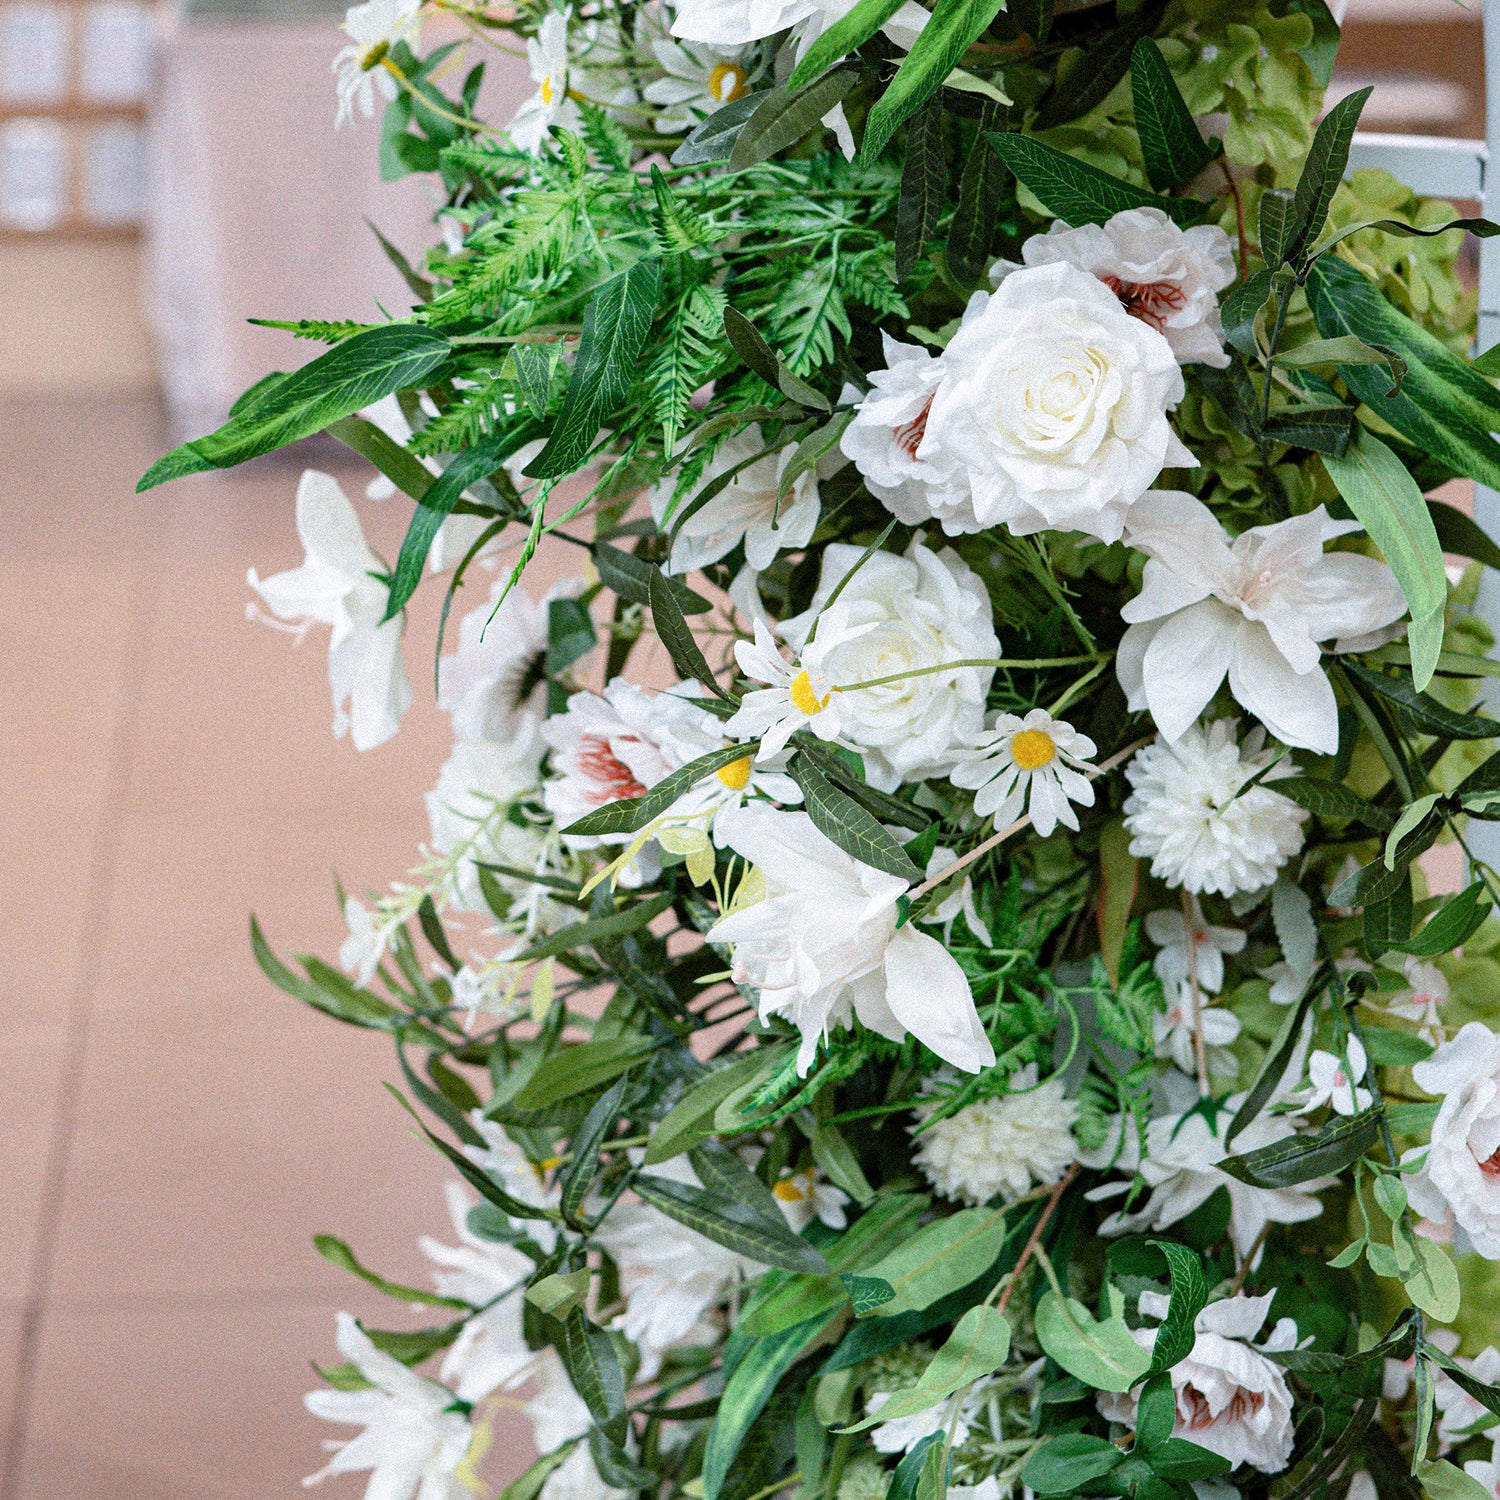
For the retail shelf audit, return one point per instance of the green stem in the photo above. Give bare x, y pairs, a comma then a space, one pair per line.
1033, 664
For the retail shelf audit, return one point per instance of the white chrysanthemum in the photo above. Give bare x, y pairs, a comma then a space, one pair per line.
1035, 763
1001, 1147
888, 427
1187, 814
375, 27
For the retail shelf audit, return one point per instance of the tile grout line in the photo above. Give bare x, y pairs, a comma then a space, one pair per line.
102, 867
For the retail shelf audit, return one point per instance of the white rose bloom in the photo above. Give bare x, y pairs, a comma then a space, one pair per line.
1200, 953
1231, 1399
334, 587
1000, 1147
374, 28
823, 947
895, 615
547, 57
1187, 815
412, 1442
745, 510
1462, 1173
1180, 1168
888, 427
1169, 278
1254, 609
1053, 404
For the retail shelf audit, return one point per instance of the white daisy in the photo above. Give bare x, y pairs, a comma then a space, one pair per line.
374, 27
800, 695
547, 57
1029, 761
804, 1196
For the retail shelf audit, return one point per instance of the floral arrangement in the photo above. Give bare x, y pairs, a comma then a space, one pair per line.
984, 1028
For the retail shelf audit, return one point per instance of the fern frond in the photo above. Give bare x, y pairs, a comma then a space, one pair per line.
869, 278
605, 138
476, 412
312, 328
689, 351
807, 311
678, 228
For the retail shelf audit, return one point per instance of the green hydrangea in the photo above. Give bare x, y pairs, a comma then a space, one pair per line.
864, 1478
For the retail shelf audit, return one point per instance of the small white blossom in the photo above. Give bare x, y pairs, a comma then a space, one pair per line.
902, 1434
374, 28
1000, 1147
1186, 812
800, 695
699, 80
958, 902
1176, 1032
1423, 1001
1200, 952
1253, 609
823, 945
413, 1438
805, 1196
362, 951
1335, 1081
339, 585
1034, 763
1485, 1471
552, 104
1460, 1412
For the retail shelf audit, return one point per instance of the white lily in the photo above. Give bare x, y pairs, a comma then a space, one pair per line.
1254, 608
337, 585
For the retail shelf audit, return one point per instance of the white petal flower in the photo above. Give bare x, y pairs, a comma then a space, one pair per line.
1461, 1413
335, 586
1187, 814
746, 509
805, 1196
1176, 1032
1231, 1399
1053, 404
1200, 952
1461, 1176
558, 1415
374, 27
699, 80
888, 427
956, 903
902, 1434
1000, 1147
547, 57
414, 1438
361, 952
898, 617
1335, 1081
733, 23
1254, 609
800, 695
1485, 1471
1035, 763
1168, 277
1422, 1002
823, 946
522, 1178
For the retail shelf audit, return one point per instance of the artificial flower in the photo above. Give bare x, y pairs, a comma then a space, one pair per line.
1335, 1081
959, 902
1459, 1413
361, 952
1461, 1175
699, 80
1035, 762
750, 507
522, 1179
734, 23
824, 948
1198, 952
1231, 1399
414, 1438
1423, 1001
890, 421
899, 618
902, 1434
800, 694
1179, 1025
552, 104
1002, 1146
559, 1415
1484, 1471
1253, 609
341, 584
1053, 405
1170, 278
804, 1196
374, 28
1188, 812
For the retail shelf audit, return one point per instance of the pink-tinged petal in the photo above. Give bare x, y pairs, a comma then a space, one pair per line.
1186, 662
1297, 707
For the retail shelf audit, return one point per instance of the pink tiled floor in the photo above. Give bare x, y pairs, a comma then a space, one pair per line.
175, 1129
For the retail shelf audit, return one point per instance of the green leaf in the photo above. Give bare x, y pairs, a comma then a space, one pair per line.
407, 472
761, 358
672, 630
1344, 351
529, 1484
1277, 226
1323, 429
1433, 1283
534, 364
346, 1002
979, 193
333, 1249
909, 1471
1119, 881
1394, 1049
582, 934
714, 138
1446, 1481
630, 577
1034, 17
1482, 229
679, 229
579, 1067
1063, 1465
1443, 407
1296, 931
1171, 143
1385, 500
940, 1258
1332, 799
1078, 192
583, 1150
1333, 1455
557, 1296
1156, 1411
1424, 713
631, 814
691, 1119
592, 1366
1327, 161
924, 175
1454, 923
1462, 536
1486, 1395
1411, 817
731, 1224
977, 1347
866, 1293
1100, 1352
1300, 1158
1091, 80
1278, 1058
353, 374
840, 1165
840, 818
784, 117
1241, 306
1183, 1461
953, 26
1178, 1333
615, 325
843, 37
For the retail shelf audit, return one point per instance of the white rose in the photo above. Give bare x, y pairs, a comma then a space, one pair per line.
900, 615
1054, 405
1230, 1398
888, 427
732, 23
1462, 1172
1167, 277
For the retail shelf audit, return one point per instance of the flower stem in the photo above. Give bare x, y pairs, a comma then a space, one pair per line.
1200, 1050
1032, 1243
1036, 663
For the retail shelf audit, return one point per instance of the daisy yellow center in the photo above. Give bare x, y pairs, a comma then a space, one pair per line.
1032, 749
726, 83
736, 775
547, 92
788, 1190
805, 696
548, 1164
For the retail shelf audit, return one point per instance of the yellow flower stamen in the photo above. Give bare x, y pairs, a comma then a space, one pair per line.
1032, 749
727, 83
546, 90
548, 1164
805, 697
788, 1191
736, 775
